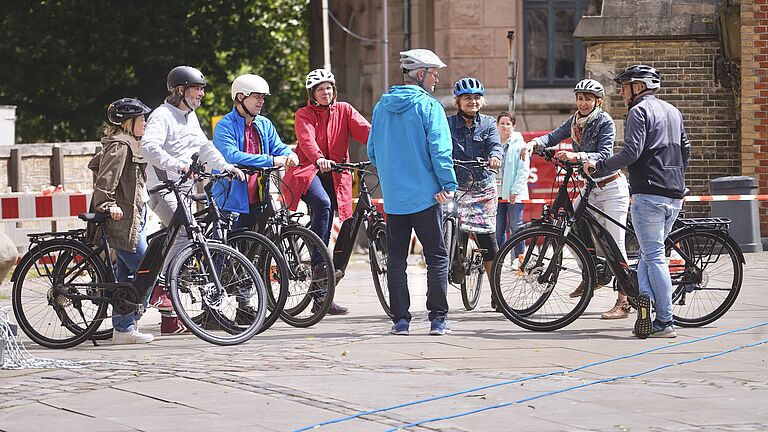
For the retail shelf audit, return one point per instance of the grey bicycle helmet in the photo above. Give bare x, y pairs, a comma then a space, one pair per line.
644, 73
185, 76
126, 109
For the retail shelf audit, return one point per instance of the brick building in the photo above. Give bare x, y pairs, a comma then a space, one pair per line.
713, 56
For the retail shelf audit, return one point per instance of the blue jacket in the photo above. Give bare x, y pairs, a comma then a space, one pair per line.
480, 141
656, 149
229, 139
410, 144
596, 140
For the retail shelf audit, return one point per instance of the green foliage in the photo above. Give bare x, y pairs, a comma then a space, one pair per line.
64, 61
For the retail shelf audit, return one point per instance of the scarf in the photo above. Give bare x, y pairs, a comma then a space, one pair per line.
580, 122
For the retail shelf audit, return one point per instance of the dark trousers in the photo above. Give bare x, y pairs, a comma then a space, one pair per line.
322, 203
428, 226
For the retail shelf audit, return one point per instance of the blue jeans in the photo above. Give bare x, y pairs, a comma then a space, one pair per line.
428, 226
127, 264
509, 217
322, 204
652, 218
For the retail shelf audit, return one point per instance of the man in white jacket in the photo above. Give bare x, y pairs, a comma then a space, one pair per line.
172, 136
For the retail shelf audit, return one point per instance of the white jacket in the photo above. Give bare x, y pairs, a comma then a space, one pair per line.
170, 139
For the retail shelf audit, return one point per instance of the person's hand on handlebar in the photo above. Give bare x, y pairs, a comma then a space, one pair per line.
444, 196
528, 149
115, 212
185, 169
494, 163
235, 171
286, 161
324, 165
589, 167
566, 156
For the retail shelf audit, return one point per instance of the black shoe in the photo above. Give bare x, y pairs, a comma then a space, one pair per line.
643, 324
320, 274
335, 308
245, 315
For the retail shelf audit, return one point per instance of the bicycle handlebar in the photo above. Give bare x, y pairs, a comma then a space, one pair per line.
342, 166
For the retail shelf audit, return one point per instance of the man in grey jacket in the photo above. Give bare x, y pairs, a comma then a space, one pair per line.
656, 151
172, 136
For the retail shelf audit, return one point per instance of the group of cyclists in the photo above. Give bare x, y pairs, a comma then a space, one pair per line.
410, 141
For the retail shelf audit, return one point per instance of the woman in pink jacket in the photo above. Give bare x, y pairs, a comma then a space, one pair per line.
323, 129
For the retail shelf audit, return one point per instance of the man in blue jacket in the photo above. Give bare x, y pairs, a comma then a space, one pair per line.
410, 144
246, 138
656, 151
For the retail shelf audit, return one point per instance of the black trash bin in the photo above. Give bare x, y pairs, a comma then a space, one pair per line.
744, 215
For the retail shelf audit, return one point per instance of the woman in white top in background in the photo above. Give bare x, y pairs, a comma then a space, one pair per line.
514, 184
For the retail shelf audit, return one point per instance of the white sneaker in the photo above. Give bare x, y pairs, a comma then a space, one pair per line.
131, 337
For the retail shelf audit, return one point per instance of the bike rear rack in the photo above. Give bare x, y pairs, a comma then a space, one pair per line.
719, 223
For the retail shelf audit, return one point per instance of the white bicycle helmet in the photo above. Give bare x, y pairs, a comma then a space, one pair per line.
590, 86
318, 76
249, 83
420, 58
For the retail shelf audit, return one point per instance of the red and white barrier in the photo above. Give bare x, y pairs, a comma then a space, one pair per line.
41, 206
703, 198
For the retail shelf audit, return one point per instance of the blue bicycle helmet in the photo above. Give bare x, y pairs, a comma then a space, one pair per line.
468, 85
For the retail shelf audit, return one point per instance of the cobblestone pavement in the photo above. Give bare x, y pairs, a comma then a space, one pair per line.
289, 378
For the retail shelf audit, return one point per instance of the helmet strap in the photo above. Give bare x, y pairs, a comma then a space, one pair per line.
420, 81
467, 116
184, 98
242, 105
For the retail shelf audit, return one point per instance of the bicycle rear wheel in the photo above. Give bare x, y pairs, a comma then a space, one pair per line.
229, 315
308, 301
377, 253
473, 281
271, 267
42, 282
706, 286
536, 295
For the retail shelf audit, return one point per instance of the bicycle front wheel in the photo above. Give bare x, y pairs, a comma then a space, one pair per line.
46, 286
228, 314
706, 285
470, 286
534, 293
377, 253
271, 266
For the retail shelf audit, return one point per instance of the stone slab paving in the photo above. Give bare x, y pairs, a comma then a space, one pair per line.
288, 378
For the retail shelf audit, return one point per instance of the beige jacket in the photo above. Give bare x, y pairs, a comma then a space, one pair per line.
119, 178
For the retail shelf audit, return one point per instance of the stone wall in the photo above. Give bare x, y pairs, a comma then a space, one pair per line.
688, 83
754, 97
36, 165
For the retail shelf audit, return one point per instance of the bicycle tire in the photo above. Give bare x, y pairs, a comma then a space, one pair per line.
706, 288
543, 305
301, 309
473, 281
229, 316
271, 267
377, 254
50, 319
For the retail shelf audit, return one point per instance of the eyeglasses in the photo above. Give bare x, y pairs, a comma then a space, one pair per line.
435, 75
258, 96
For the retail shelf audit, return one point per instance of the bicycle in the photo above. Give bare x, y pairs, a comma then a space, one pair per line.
308, 300
259, 249
366, 215
465, 258
63, 286
706, 274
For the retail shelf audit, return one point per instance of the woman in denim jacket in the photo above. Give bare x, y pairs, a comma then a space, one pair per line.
592, 132
475, 136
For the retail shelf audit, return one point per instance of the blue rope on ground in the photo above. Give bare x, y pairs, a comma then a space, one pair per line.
554, 392
528, 378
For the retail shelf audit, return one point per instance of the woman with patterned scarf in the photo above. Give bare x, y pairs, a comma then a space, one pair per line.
592, 132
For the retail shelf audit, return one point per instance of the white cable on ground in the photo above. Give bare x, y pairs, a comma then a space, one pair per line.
15, 356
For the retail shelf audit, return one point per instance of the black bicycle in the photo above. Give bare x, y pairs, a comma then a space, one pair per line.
365, 215
63, 287
706, 269
465, 257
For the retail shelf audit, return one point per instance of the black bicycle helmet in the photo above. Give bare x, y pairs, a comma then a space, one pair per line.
184, 76
644, 73
126, 109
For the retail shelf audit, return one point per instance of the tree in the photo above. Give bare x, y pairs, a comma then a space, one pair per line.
65, 61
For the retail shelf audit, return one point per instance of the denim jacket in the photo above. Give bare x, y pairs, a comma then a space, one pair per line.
596, 140
481, 140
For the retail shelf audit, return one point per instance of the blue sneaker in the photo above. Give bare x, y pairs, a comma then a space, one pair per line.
400, 328
439, 327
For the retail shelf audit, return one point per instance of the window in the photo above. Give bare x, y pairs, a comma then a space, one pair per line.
553, 58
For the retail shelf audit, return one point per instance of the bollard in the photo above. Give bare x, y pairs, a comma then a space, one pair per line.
744, 216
